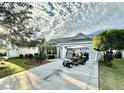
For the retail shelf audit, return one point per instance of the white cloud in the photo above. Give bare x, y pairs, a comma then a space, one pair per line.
64, 19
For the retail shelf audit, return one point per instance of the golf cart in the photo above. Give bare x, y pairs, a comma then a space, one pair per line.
75, 56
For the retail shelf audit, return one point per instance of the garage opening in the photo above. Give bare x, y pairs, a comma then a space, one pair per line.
77, 52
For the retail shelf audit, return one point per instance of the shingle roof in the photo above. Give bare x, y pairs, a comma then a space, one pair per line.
77, 38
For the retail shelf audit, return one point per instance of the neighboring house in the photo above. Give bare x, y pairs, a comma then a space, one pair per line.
15, 51
123, 54
79, 40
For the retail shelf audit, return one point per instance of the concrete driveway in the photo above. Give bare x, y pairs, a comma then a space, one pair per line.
54, 76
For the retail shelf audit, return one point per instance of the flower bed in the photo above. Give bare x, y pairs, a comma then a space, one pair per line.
35, 62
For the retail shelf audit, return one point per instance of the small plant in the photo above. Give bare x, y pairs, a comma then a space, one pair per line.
36, 54
30, 55
43, 55
118, 55
51, 56
26, 55
21, 56
40, 57
37, 57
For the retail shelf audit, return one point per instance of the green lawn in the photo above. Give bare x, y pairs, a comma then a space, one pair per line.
15, 65
112, 77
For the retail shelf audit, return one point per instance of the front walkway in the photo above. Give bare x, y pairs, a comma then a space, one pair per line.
54, 76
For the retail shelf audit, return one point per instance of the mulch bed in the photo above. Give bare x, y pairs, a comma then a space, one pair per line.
35, 62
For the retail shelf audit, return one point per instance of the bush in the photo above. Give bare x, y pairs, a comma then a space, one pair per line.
21, 56
40, 57
43, 55
118, 55
30, 55
36, 54
37, 57
3, 54
51, 56
103, 61
26, 55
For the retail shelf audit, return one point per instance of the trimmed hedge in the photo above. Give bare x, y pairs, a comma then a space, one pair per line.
30, 55
21, 56
26, 55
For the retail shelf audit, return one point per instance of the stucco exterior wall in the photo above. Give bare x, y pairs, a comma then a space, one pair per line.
123, 54
22, 50
12, 53
26, 50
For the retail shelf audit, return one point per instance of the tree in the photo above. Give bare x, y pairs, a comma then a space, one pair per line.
108, 41
44, 45
15, 18
21, 43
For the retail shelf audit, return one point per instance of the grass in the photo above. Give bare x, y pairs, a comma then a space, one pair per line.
15, 65
112, 78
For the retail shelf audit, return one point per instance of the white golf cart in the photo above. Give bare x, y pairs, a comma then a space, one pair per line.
75, 56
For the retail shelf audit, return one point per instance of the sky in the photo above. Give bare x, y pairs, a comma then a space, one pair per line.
64, 19
67, 19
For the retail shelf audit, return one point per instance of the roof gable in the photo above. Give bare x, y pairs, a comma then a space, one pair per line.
80, 36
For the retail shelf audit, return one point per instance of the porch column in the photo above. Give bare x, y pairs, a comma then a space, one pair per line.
58, 52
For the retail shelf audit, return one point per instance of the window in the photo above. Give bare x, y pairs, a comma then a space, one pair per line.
54, 50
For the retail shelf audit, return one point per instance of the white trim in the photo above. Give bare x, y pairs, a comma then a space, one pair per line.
77, 47
75, 43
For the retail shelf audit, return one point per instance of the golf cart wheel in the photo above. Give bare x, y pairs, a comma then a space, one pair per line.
84, 62
70, 65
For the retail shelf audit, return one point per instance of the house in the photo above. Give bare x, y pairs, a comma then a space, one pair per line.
15, 51
79, 40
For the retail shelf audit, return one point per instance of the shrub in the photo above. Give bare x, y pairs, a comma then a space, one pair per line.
21, 56
51, 56
118, 55
40, 57
43, 55
26, 55
3, 54
36, 54
37, 57
30, 55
